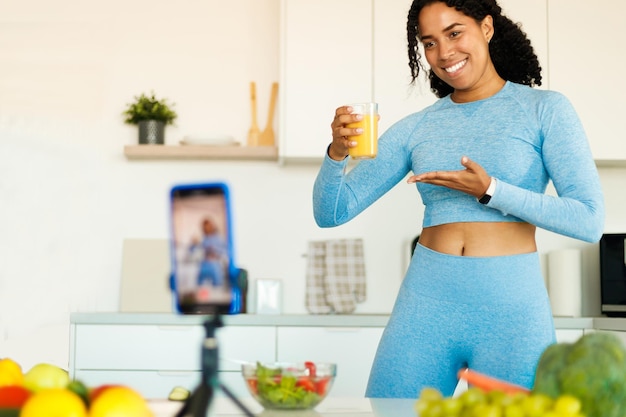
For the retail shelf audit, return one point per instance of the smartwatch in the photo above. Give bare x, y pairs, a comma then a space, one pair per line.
486, 198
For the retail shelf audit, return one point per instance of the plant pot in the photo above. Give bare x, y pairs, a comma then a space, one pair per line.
151, 132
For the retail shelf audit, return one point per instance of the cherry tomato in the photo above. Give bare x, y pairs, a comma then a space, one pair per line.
252, 384
310, 366
306, 383
321, 385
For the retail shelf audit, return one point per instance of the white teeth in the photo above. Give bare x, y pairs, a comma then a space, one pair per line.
457, 66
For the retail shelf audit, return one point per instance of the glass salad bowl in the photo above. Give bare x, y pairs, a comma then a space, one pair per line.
289, 385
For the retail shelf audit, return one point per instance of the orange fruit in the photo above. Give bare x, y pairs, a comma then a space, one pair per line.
45, 376
10, 372
119, 401
54, 402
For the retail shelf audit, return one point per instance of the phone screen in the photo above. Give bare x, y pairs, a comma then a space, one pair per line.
201, 247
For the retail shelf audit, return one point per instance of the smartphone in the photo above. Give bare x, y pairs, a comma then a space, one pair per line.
203, 266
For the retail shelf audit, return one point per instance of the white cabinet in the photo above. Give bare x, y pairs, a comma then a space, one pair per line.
568, 335
585, 62
156, 358
326, 61
352, 349
395, 95
532, 16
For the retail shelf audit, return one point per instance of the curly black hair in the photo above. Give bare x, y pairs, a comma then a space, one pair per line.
510, 49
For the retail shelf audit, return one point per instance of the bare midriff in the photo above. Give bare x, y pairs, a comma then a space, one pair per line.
480, 239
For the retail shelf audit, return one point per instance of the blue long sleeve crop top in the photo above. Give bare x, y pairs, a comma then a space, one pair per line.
522, 136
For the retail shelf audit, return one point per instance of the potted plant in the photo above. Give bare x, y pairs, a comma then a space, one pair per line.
151, 115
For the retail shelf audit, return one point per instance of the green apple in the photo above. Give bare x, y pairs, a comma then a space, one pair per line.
44, 376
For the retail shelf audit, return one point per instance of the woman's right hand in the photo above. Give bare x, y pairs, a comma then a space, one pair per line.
342, 141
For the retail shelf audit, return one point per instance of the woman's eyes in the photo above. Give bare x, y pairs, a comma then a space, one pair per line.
432, 44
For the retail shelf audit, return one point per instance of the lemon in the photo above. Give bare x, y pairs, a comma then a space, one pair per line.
10, 373
120, 401
54, 402
44, 376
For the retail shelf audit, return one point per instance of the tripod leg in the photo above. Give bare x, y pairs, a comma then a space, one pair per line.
200, 406
198, 402
234, 399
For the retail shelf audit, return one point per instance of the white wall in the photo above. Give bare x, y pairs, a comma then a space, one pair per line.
68, 196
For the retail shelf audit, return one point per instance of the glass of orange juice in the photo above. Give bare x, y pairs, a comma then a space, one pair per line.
367, 142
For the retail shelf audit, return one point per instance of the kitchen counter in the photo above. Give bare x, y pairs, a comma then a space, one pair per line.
330, 407
303, 320
341, 320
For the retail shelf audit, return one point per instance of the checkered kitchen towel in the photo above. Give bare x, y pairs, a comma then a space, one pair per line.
335, 278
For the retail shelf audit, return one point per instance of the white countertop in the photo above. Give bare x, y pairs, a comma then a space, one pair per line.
330, 407
341, 320
349, 320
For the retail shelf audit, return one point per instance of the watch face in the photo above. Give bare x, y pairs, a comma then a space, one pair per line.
484, 199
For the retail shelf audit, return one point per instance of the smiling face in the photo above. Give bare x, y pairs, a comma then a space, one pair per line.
457, 50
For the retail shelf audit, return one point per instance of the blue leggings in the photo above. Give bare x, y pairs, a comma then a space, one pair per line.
491, 314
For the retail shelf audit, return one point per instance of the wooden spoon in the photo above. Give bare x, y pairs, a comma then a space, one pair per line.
254, 132
267, 136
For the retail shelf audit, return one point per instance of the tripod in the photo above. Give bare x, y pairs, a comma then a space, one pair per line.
199, 402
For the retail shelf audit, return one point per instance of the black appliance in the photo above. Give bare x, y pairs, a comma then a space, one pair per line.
613, 274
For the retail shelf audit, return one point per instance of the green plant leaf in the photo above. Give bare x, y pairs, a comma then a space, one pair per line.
148, 107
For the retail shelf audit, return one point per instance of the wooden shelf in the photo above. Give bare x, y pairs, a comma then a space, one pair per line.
250, 153
243, 153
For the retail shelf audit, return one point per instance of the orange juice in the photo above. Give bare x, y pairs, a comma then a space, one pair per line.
367, 142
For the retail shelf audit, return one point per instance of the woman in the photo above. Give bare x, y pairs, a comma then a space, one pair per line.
482, 156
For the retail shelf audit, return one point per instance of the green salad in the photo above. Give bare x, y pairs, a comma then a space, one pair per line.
286, 388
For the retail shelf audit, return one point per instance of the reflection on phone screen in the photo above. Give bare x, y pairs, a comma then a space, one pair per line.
201, 248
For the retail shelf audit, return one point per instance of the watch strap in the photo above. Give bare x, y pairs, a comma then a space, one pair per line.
486, 198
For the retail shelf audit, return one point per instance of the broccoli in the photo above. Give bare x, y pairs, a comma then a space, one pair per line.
593, 369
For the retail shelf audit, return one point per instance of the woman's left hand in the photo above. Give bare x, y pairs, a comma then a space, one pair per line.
472, 180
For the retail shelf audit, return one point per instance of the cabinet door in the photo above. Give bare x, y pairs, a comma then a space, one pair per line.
326, 62
395, 95
150, 384
532, 15
247, 344
585, 59
137, 347
168, 347
352, 349
568, 335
